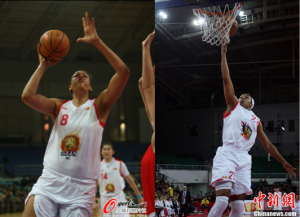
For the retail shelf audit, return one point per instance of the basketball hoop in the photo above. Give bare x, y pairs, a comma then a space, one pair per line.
218, 24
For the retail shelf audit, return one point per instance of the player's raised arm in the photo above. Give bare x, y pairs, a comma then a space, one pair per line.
272, 150
37, 101
147, 82
230, 97
152, 122
108, 97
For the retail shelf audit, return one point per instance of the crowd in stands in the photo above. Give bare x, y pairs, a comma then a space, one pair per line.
13, 194
263, 186
166, 196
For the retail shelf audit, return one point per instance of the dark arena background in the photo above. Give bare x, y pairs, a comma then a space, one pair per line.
263, 60
24, 133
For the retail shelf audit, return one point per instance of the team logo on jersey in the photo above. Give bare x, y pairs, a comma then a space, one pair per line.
87, 108
64, 108
70, 144
115, 169
246, 130
110, 188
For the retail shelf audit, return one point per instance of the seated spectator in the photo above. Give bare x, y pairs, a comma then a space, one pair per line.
178, 207
166, 198
209, 199
192, 208
273, 185
196, 199
170, 190
159, 206
213, 197
294, 189
169, 206
205, 204
175, 205
200, 194
163, 190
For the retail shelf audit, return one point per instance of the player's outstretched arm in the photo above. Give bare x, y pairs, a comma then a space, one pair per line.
37, 101
147, 82
230, 97
144, 100
272, 150
152, 101
134, 187
108, 97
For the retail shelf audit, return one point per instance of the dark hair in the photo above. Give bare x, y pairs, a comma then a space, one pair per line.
90, 77
107, 143
247, 94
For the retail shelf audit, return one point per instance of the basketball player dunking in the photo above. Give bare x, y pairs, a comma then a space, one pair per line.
231, 174
147, 89
111, 181
72, 158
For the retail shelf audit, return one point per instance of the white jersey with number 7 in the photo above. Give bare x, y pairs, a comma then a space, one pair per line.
112, 175
74, 145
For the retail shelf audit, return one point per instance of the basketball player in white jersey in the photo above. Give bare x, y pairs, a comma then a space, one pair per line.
279, 200
72, 158
231, 174
111, 181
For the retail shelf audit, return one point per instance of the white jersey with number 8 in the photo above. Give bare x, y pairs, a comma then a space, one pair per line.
74, 145
112, 175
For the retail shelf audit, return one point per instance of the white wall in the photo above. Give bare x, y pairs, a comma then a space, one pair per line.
189, 176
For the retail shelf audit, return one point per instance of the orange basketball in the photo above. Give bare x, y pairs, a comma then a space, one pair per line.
234, 28
225, 20
54, 45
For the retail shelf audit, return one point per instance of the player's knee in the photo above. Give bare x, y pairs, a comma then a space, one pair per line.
219, 206
237, 208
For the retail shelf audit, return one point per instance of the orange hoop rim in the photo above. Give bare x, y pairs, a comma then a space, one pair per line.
220, 13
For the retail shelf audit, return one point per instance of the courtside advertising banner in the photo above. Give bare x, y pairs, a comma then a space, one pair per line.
251, 206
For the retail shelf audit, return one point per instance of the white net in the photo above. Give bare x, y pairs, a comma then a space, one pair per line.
217, 23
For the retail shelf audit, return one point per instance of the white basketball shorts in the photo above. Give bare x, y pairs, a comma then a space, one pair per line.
59, 195
234, 166
120, 198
